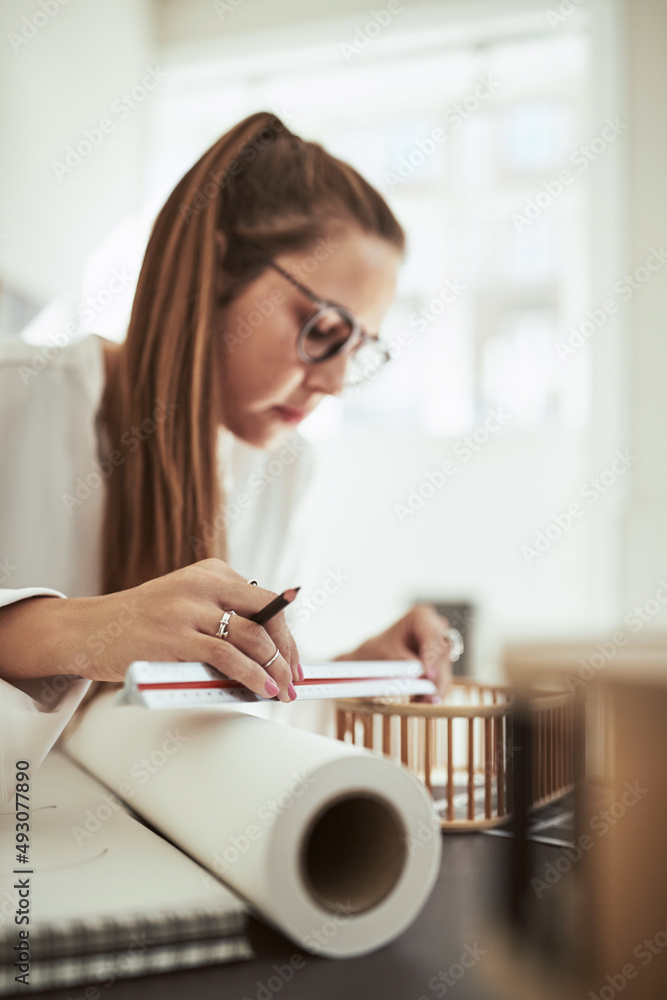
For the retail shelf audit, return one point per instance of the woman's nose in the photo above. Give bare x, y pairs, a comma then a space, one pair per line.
328, 377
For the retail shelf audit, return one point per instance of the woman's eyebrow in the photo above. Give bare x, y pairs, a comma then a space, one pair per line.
316, 299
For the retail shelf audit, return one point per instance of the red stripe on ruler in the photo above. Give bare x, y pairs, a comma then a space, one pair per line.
191, 685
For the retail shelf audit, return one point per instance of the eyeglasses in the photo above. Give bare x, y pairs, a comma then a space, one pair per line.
333, 330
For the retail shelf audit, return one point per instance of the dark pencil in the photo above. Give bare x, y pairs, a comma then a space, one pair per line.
275, 606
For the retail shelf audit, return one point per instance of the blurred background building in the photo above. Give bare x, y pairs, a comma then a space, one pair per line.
523, 146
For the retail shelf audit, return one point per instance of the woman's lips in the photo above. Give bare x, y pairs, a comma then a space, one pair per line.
290, 414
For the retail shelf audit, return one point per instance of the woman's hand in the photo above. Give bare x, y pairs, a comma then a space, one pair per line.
174, 617
420, 634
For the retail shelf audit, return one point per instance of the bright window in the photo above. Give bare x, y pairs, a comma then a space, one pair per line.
461, 142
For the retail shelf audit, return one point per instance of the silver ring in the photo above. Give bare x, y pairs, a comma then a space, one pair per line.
455, 640
274, 657
223, 627
253, 583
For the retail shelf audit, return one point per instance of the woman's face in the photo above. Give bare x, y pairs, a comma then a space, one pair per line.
265, 390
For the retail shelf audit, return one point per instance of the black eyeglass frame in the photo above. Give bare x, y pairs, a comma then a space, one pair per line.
324, 306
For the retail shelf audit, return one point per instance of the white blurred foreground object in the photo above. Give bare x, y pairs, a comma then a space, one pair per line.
314, 833
196, 685
99, 896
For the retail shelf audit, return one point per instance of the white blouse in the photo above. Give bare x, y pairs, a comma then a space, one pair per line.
52, 485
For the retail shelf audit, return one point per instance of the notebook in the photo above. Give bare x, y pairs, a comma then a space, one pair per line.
195, 685
107, 898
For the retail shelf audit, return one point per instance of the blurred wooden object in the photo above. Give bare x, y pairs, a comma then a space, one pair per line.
614, 900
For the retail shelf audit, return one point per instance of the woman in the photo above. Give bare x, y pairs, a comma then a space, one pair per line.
113, 485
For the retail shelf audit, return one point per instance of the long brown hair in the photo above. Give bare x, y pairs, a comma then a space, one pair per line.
265, 190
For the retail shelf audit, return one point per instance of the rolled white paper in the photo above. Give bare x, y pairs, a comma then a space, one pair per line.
336, 847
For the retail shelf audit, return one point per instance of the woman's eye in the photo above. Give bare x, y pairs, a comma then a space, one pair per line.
319, 334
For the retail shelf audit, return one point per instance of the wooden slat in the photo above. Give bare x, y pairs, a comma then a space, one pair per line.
488, 769
539, 773
341, 728
499, 757
404, 740
368, 731
427, 754
558, 714
450, 771
471, 770
554, 749
386, 735
509, 738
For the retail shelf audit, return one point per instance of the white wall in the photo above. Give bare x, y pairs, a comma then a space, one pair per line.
463, 543
645, 528
60, 82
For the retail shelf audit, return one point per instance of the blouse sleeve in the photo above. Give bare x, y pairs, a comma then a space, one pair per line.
33, 712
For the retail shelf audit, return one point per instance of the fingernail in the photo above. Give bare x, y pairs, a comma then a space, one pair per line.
431, 672
435, 700
299, 670
271, 687
291, 690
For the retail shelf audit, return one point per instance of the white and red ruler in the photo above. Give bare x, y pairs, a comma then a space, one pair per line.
194, 685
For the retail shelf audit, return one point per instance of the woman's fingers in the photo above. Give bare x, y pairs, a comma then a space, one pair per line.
257, 643
430, 632
229, 660
200, 594
279, 631
247, 600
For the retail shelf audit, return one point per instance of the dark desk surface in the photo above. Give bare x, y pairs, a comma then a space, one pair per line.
472, 865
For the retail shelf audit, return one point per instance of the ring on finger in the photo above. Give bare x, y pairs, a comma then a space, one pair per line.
273, 658
223, 627
455, 639
253, 583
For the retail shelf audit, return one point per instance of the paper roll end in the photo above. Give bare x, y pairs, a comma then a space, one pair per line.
353, 854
